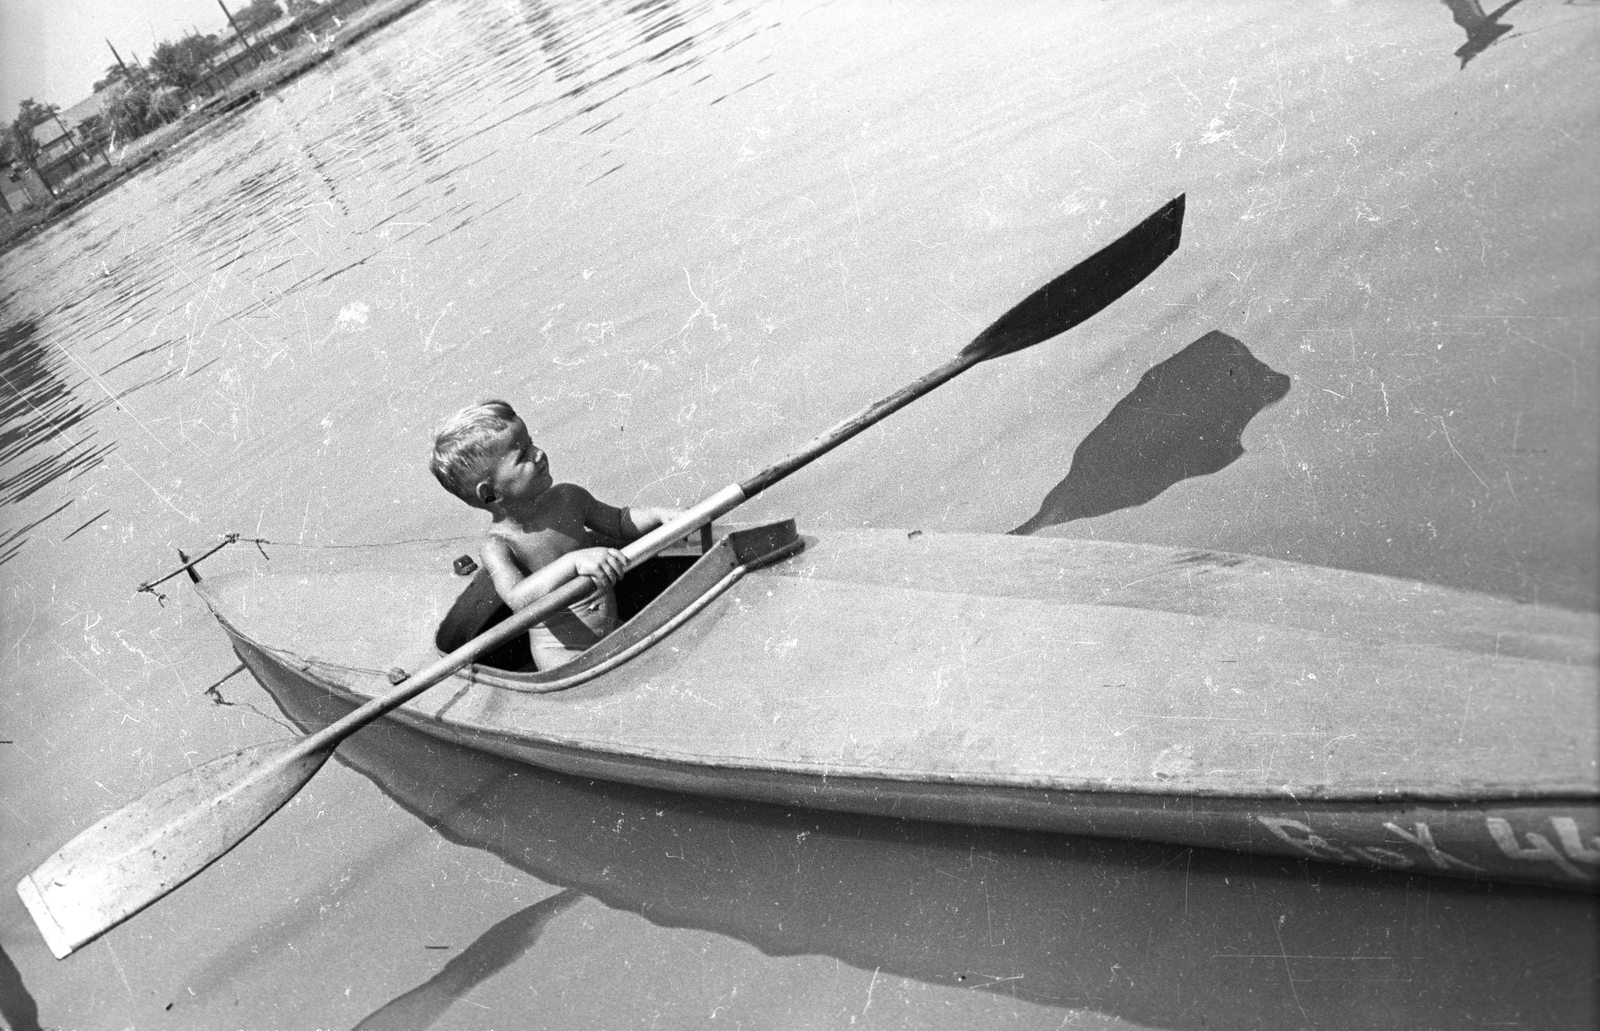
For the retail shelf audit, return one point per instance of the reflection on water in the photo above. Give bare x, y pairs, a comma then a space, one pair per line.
271, 224
1183, 419
493, 951
40, 415
1159, 935
538, 68
1482, 29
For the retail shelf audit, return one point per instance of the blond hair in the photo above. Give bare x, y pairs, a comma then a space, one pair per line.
461, 446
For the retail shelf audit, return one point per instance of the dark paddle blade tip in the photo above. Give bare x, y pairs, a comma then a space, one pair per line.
1089, 286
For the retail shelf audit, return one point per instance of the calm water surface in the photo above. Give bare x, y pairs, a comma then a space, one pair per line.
681, 239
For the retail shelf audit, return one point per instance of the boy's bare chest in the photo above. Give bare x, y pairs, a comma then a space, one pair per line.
539, 547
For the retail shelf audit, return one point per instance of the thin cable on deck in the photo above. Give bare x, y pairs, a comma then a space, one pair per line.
149, 586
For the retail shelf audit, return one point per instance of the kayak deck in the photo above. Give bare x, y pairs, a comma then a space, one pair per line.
1062, 685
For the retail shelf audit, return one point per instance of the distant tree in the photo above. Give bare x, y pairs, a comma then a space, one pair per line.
114, 75
29, 114
181, 64
141, 109
302, 7
257, 14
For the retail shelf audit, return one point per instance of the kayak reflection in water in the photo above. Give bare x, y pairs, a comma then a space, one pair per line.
484, 456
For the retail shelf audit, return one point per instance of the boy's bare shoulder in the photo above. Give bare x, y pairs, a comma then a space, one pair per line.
500, 555
568, 494
498, 545
506, 549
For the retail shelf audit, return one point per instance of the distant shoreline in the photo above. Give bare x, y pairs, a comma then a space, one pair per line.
237, 96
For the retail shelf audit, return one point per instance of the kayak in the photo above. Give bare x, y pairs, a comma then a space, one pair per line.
1049, 918
1082, 687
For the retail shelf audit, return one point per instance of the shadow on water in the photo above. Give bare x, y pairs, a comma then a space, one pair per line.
17, 1006
1482, 29
1184, 419
38, 412
497, 948
1159, 935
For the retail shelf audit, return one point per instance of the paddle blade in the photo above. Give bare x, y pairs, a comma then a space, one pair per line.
149, 847
1083, 290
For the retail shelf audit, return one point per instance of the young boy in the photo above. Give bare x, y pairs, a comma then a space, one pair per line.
484, 456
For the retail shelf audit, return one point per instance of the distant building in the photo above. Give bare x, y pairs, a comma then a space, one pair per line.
98, 103
20, 187
63, 147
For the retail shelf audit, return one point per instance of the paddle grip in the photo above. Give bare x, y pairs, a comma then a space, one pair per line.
689, 520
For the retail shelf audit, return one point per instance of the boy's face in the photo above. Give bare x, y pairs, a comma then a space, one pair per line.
519, 472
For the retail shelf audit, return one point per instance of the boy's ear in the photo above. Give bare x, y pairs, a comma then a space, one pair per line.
485, 492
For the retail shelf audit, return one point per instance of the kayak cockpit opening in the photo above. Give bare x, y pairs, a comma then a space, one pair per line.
652, 599
479, 607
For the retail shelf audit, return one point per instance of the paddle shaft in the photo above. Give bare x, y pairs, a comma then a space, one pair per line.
1064, 302
149, 847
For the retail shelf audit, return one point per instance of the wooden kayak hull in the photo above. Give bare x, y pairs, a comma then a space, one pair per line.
1180, 733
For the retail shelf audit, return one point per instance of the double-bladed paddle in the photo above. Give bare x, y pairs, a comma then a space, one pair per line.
148, 848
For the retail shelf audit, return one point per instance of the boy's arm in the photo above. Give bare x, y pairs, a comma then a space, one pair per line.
628, 523
519, 590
